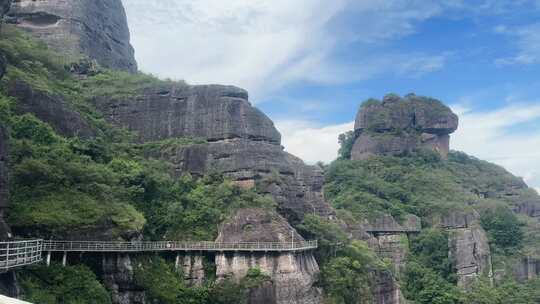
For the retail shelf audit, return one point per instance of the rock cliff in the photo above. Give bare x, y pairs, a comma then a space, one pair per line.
49, 108
118, 276
4, 229
4, 145
242, 142
93, 28
468, 245
398, 125
469, 248
292, 274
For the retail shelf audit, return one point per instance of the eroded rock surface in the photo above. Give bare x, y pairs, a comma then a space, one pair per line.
49, 108
398, 125
212, 112
4, 191
117, 275
94, 28
242, 142
468, 245
528, 268
193, 269
393, 247
292, 274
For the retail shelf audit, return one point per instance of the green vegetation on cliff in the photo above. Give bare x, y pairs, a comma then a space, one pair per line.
105, 186
164, 285
439, 191
59, 284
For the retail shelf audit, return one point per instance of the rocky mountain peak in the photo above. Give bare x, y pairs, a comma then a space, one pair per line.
79, 28
400, 124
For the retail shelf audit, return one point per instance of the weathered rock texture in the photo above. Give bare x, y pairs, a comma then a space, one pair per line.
393, 247
4, 145
117, 275
242, 142
398, 125
528, 268
292, 274
76, 28
468, 247
49, 108
192, 269
387, 224
4, 193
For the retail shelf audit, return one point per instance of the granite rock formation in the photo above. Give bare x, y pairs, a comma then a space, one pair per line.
468, 246
292, 274
117, 275
528, 268
398, 125
4, 7
4, 146
79, 28
51, 109
4, 193
389, 239
241, 142
193, 269
394, 248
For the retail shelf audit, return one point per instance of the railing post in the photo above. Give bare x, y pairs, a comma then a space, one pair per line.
7, 255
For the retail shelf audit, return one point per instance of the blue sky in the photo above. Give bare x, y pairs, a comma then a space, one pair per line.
308, 64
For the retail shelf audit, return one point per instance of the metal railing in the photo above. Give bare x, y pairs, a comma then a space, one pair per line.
20, 253
392, 230
96, 246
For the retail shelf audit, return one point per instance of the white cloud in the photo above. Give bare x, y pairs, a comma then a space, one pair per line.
528, 44
310, 142
265, 44
490, 135
495, 136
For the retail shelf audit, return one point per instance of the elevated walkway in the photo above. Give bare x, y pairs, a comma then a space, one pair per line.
83, 246
27, 252
20, 253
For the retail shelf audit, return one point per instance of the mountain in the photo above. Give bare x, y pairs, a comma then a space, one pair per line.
98, 151
94, 28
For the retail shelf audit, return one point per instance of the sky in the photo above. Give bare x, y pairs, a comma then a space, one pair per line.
308, 64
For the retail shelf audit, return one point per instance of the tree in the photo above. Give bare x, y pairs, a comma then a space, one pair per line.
348, 278
503, 227
430, 248
425, 286
329, 235
346, 142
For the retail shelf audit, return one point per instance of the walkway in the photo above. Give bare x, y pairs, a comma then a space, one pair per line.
20, 253
79, 246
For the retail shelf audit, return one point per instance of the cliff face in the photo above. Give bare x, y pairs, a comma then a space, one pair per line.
242, 142
94, 28
4, 229
50, 108
397, 125
118, 277
292, 274
4, 145
468, 247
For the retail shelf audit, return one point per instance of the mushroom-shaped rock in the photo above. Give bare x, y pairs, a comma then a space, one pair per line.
397, 125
